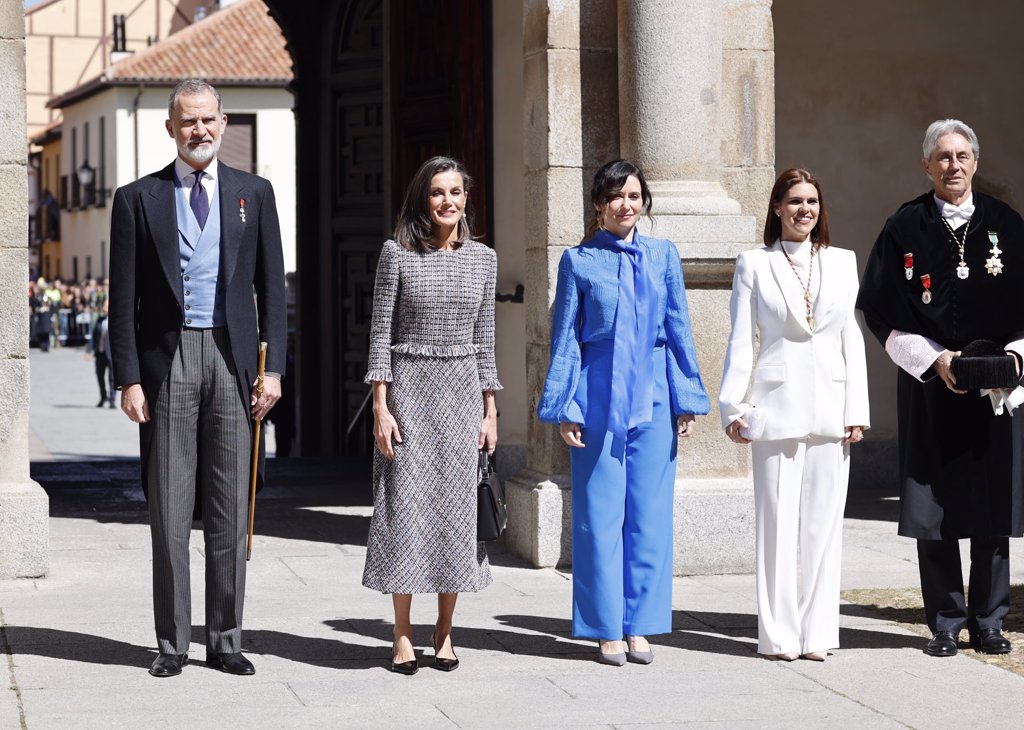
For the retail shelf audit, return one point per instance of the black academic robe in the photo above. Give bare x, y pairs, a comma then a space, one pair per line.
960, 464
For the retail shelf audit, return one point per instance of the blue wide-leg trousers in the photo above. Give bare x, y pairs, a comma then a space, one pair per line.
622, 512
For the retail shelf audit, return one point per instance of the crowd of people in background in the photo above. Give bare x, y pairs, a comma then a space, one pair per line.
64, 314
73, 315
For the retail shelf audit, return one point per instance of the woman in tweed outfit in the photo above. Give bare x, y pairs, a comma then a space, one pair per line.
433, 376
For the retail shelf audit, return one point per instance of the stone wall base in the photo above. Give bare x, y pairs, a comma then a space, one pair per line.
714, 523
714, 526
24, 530
539, 518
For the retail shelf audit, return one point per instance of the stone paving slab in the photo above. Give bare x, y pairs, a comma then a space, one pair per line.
321, 646
10, 715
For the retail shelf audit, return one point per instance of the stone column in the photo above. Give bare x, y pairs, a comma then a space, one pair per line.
24, 507
670, 123
746, 110
670, 71
646, 82
570, 123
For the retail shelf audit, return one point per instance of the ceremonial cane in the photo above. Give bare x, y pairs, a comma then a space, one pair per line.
255, 451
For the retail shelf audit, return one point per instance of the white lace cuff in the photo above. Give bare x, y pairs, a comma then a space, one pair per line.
913, 353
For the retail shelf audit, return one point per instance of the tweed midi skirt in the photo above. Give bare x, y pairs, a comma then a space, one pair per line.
423, 531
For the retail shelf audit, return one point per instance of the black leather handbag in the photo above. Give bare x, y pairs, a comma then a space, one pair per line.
491, 516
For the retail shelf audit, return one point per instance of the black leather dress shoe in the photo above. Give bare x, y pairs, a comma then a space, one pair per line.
168, 665
990, 641
230, 663
942, 644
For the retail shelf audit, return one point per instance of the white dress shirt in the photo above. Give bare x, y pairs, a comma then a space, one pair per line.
186, 173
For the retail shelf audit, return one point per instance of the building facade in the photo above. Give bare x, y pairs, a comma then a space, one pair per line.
113, 124
45, 204
711, 98
70, 41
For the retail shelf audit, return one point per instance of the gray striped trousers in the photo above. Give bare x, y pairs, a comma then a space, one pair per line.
201, 449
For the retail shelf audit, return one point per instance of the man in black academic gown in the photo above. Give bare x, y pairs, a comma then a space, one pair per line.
948, 270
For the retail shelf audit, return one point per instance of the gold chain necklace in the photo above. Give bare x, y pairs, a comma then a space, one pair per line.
810, 274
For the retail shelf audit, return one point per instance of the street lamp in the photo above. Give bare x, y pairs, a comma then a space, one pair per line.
86, 175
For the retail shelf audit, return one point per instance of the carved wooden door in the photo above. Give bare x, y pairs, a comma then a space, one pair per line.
436, 102
357, 223
440, 91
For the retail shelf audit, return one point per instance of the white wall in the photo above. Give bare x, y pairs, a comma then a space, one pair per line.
275, 144
856, 85
275, 150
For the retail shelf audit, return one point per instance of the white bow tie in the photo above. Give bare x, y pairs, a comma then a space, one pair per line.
957, 215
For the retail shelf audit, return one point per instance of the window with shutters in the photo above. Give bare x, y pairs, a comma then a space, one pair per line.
238, 145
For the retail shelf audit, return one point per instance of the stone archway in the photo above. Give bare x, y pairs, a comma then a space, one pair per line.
363, 126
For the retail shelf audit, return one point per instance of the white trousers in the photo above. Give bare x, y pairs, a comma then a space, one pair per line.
800, 496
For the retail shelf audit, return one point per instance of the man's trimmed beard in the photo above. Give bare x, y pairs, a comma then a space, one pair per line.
200, 154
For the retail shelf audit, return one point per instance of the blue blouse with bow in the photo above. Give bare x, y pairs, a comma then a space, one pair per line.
584, 312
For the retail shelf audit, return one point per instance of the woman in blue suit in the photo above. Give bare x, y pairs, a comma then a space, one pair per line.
622, 384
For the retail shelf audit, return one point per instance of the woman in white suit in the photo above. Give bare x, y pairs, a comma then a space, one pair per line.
807, 403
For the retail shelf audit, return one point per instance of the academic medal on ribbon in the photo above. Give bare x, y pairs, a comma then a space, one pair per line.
908, 265
926, 295
993, 264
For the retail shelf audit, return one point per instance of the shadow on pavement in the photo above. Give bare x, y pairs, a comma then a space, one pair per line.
733, 634
545, 637
109, 491
75, 646
92, 649
893, 606
540, 644
879, 505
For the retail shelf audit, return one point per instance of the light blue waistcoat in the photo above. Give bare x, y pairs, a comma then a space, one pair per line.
199, 253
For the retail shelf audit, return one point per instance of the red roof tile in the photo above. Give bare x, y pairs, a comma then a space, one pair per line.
237, 44
240, 45
47, 133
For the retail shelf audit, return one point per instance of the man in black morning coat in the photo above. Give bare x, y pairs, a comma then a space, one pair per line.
190, 246
948, 269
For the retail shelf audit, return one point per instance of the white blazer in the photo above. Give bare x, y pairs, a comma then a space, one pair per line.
806, 383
